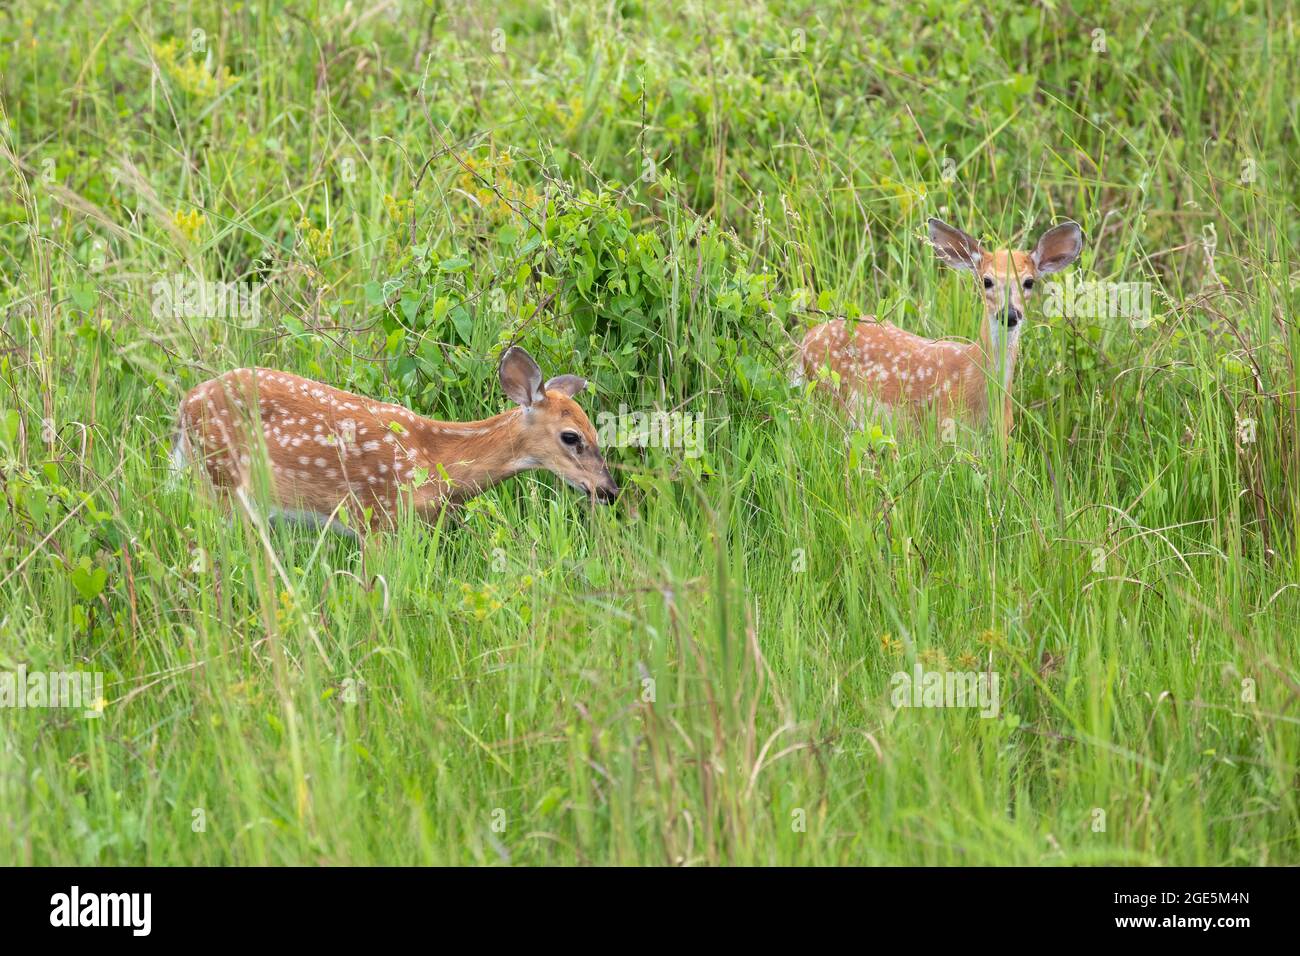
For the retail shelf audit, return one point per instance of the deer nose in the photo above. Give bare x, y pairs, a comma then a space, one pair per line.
606, 491
1012, 316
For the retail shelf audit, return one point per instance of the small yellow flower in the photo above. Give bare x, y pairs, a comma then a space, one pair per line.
490, 183
399, 210
934, 657
890, 644
193, 76
189, 223
319, 242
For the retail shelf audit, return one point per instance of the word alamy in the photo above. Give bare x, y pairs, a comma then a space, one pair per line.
184, 297
1073, 298
77, 689
103, 909
924, 688
656, 429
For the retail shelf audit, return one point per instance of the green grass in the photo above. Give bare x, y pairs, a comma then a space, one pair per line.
701, 674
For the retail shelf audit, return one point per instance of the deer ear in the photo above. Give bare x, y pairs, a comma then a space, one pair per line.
1058, 247
954, 247
521, 379
567, 384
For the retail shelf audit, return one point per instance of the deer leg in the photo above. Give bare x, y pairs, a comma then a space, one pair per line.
310, 520
293, 517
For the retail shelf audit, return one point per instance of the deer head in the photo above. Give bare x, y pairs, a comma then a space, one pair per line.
553, 432
1006, 278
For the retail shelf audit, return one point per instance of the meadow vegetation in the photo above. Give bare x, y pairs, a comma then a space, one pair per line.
659, 197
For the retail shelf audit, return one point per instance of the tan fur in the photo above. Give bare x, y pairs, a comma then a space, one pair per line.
321, 447
881, 363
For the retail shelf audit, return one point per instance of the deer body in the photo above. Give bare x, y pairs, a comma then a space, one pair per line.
321, 449
879, 367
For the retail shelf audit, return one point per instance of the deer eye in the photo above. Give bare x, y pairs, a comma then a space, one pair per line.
1029, 284
572, 439
988, 283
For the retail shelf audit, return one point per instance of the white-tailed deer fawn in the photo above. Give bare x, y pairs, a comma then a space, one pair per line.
879, 367
322, 450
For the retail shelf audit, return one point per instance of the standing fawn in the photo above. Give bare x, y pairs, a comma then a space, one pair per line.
321, 450
879, 366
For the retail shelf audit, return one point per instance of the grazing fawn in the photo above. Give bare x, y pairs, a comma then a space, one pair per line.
322, 450
880, 367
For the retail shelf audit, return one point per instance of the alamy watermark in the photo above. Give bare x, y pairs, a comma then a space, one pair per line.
963, 689
83, 690
75, 908
656, 429
1074, 298
181, 296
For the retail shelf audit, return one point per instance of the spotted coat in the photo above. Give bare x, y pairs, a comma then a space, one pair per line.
321, 447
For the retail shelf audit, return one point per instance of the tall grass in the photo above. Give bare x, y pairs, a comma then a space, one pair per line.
701, 674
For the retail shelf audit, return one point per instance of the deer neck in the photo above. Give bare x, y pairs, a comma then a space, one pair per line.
464, 459
995, 359
1000, 346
